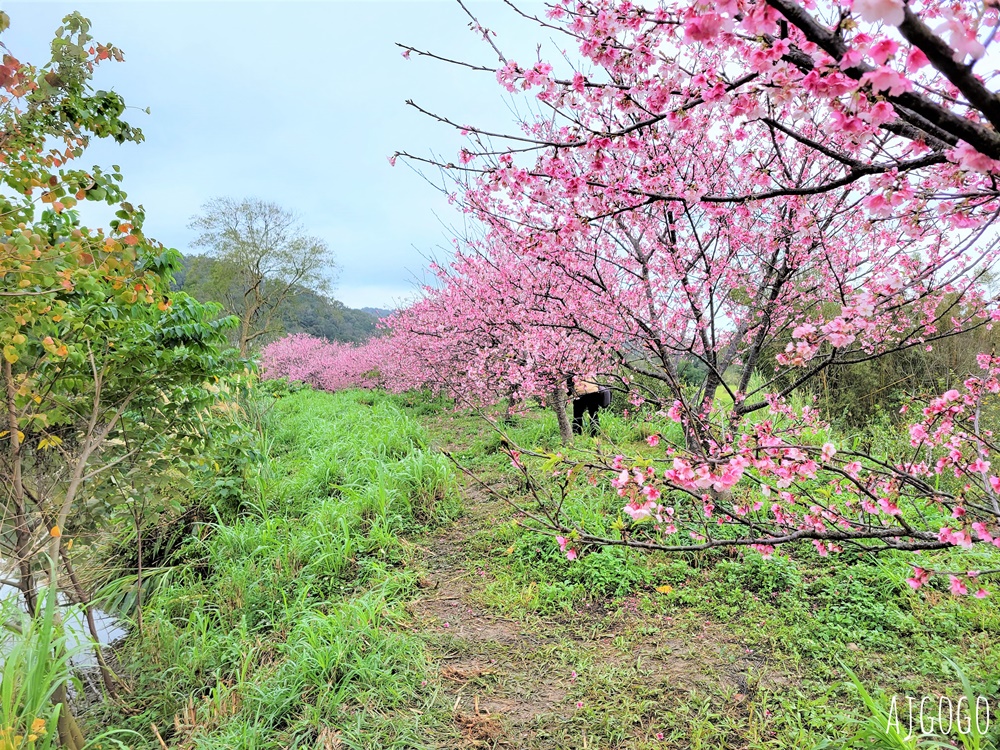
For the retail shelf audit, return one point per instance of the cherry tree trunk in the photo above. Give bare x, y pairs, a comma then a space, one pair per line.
508, 416
557, 396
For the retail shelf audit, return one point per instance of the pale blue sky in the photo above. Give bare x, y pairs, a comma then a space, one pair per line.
296, 102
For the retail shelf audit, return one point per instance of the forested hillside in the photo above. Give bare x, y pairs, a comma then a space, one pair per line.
209, 280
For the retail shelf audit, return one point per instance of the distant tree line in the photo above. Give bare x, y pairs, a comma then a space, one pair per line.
209, 280
263, 267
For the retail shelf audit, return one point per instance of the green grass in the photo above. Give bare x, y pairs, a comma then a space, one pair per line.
297, 622
35, 663
289, 629
790, 623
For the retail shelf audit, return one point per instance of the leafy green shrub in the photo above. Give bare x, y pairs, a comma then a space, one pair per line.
859, 603
775, 576
612, 572
281, 387
607, 572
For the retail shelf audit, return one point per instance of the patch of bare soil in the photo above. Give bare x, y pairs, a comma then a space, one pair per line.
485, 666
506, 689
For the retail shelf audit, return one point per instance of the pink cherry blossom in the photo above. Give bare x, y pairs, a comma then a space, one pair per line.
918, 433
883, 49
612, 237
886, 79
971, 159
564, 547
873, 11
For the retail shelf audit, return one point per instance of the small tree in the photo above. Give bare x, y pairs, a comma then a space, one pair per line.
264, 260
101, 367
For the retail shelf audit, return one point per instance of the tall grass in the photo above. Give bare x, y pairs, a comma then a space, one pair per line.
36, 662
885, 728
287, 625
37, 679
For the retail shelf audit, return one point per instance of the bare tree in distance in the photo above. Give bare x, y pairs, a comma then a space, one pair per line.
266, 259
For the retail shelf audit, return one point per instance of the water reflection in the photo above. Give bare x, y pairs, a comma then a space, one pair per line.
109, 628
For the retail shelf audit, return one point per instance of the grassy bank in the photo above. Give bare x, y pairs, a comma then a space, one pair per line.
347, 603
285, 631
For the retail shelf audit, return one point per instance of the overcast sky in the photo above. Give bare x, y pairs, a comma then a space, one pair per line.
300, 103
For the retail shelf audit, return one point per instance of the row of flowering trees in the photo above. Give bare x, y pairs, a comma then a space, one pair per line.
772, 188
320, 363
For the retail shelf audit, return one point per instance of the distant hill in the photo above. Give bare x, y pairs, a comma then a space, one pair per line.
377, 312
329, 318
308, 312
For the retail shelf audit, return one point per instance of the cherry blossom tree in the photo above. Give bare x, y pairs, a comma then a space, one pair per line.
500, 325
726, 180
323, 364
481, 336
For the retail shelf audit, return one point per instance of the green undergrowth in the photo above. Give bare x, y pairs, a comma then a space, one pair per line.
288, 625
287, 630
797, 618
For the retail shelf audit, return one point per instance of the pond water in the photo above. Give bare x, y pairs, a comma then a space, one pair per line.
109, 628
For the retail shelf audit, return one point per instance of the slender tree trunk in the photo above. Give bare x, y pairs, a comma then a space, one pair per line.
138, 578
70, 736
107, 676
22, 532
244, 338
509, 413
558, 398
695, 436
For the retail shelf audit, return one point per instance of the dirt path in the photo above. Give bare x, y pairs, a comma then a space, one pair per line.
541, 683
485, 659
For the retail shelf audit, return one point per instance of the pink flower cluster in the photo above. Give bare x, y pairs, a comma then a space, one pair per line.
715, 184
322, 364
